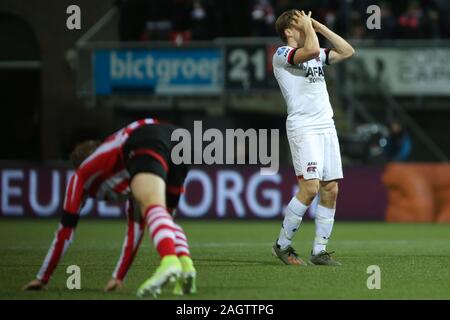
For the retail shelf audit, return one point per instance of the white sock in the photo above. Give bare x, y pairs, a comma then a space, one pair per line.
324, 226
292, 219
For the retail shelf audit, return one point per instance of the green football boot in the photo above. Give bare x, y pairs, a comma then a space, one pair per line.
186, 284
168, 272
323, 258
288, 255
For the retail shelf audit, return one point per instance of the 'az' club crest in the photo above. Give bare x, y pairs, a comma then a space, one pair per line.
311, 167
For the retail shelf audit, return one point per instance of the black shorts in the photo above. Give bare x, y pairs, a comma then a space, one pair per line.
148, 149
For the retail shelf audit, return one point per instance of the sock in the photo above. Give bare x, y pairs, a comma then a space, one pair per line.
324, 226
292, 219
161, 229
181, 244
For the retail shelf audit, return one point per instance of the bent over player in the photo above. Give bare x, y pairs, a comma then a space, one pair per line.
134, 163
299, 69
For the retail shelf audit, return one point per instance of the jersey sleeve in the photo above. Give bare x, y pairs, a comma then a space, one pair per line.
76, 189
132, 241
284, 56
74, 193
65, 233
324, 56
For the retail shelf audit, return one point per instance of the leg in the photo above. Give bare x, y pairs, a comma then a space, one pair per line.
324, 223
328, 194
293, 217
306, 156
308, 190
296, 209
174, 189
181, 242
175, 186
148, 190
325, 215
187, 283
147, 155
327, 206
175, 181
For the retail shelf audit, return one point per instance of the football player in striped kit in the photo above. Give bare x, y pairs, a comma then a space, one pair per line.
133, 164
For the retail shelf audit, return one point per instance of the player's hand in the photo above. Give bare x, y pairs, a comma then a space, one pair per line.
305, 19
297, 20
301, 21
113, 285
316, 25
35, 285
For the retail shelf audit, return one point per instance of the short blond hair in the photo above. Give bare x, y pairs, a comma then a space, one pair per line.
283, 22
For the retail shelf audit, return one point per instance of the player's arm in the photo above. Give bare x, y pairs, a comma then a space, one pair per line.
342, 50
311, 49
132, 241
64, 234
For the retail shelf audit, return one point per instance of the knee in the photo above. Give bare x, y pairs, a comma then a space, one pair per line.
329, 192
309, 189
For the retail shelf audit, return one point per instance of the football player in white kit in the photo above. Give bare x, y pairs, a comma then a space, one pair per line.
299, 69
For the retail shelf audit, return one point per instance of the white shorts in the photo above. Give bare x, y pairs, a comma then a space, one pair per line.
316, 156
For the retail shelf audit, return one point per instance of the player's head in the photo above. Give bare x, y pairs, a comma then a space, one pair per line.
82, 151
284, 28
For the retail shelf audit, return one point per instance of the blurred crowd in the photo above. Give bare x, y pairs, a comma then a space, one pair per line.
186, 20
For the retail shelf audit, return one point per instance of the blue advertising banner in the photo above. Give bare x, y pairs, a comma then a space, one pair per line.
158, 71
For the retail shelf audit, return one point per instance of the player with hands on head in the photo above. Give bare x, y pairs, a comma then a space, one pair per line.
299, 67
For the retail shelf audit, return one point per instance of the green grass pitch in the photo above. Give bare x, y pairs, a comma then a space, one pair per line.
233, 260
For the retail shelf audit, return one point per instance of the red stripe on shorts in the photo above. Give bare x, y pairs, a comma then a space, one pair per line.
153, 154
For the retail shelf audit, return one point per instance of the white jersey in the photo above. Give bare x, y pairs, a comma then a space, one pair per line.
305, 92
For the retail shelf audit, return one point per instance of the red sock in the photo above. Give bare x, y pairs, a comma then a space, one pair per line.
161, 229
181, 244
